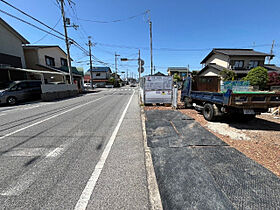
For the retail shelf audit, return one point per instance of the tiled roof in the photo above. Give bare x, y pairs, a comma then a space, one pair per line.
271, 67
234, 52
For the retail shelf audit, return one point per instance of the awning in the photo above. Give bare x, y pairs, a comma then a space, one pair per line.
34, 71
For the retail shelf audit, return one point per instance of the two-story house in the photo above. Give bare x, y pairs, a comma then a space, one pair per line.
50, 58
11, 51
11, 54
100, 76
238, 60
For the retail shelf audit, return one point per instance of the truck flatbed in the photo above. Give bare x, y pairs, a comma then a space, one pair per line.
230, 102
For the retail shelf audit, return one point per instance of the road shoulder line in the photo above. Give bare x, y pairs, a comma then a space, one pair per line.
154, 195
83, 201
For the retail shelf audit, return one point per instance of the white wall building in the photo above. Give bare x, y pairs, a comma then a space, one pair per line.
11, 51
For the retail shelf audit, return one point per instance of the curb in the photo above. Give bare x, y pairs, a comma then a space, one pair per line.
154, 195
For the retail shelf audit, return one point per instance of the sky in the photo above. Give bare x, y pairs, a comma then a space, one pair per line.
184, 31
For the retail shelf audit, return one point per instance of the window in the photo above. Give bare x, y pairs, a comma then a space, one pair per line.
63, 61
238, 64
98, 74
49, 61
253, 64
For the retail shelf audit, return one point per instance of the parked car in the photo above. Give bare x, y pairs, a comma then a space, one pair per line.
132, 85
20, 91
87, 85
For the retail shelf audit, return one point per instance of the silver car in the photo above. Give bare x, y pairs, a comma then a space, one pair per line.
21, 90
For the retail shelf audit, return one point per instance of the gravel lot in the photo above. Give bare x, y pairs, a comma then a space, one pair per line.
258, 139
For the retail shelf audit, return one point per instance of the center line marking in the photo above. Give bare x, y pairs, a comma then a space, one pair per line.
39, 122
88, 190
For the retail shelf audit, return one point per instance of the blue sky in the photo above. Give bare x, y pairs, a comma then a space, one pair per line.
179, 24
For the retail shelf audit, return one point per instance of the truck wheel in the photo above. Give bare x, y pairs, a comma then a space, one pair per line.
12, 100
208, 112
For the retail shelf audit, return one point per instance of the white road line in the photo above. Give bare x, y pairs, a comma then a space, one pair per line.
87, 192
2, 114
54, 116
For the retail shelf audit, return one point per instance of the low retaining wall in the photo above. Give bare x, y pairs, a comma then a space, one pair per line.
53, 92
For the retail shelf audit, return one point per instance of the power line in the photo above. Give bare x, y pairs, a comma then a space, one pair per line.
115, 21
31, 24
32, 17
47, 33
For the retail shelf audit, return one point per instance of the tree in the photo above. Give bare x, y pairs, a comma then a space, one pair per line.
257, 76
112, 80
228, 75
176, 77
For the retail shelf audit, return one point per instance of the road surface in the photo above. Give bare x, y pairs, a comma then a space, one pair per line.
78, 153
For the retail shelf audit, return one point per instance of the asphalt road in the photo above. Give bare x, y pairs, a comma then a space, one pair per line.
83, 152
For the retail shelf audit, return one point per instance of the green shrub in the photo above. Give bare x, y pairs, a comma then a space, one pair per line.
228, 75
257, 76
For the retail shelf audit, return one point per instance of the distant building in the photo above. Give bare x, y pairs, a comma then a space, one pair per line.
100, 76
11, 51
181, 71
241, 61
159, 74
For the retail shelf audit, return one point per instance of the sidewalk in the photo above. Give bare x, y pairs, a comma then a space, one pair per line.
122, 183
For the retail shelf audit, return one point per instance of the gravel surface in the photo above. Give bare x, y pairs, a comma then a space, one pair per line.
261, 137
258, 139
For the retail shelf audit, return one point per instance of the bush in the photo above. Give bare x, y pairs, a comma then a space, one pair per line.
273, 78
176, 77
228, 75
257, 76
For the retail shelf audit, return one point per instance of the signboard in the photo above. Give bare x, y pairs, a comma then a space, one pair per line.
240, 86
158, 83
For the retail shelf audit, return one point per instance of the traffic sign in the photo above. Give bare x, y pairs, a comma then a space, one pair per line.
141, 62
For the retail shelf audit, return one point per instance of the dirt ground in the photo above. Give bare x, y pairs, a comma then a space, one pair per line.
258, 139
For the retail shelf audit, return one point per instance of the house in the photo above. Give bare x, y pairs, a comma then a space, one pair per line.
11, 54
181, 71
159, 74
241, 61
272, 68
100, 76
50, 58
11, 51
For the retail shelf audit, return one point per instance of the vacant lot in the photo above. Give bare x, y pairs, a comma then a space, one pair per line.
258, 139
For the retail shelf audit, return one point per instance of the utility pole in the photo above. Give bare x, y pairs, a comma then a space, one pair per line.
90, 61
271, 51
188, 70
139, 63
151, 46
67, 42
116, 66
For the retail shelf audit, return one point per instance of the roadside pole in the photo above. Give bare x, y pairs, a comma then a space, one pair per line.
90, 62
151, 46
139, 68
67, 42
116, 66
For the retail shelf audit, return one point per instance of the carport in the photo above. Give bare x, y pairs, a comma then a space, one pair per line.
9, 74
